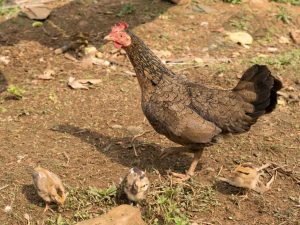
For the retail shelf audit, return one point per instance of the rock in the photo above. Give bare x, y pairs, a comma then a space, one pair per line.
295, 35
240, 37
121, 215
36, 11
181, 2
259, 4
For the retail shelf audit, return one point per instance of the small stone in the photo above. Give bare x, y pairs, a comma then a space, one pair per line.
116, 126
4, 59
7, 209
204, 24
272, 49
198, 60
99, 55
283, 40
121, 215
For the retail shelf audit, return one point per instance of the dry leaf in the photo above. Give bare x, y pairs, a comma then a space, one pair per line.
47, 75
75, 84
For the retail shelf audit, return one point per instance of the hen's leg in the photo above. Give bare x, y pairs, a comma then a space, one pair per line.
191, 170
174, 150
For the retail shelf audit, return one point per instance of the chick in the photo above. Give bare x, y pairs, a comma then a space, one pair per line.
247, 176
49, 187
135, 185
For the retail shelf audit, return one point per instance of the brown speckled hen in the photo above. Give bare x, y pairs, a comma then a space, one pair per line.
192, 114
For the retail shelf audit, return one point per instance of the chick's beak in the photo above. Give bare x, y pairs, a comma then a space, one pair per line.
108, 38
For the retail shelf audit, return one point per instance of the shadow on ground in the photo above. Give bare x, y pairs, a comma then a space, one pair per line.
122, 151
94, 20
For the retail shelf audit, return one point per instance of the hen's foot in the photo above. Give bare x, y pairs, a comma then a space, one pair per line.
180, 178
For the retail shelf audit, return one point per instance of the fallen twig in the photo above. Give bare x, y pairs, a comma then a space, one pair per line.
139, 135
3, 187
67, 157
289, 173
220, 170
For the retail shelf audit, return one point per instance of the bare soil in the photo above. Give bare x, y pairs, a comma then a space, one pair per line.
74, 134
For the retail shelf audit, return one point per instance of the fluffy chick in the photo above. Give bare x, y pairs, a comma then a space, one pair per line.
135, 185
49, 187
247, 176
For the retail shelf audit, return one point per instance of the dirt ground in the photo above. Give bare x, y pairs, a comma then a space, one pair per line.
85, 136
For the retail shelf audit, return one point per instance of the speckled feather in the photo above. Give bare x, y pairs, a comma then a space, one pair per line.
192, 114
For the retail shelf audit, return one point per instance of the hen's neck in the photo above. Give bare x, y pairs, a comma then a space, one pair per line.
148, 67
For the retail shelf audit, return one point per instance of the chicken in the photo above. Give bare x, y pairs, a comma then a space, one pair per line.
135, 185
191, 114
247, 176
49, 187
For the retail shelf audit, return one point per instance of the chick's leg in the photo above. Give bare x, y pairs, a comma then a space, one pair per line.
47, 207
191, 170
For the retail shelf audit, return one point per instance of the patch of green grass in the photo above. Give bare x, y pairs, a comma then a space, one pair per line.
233, 1
166, 203
85, 203
172, 204
292, 2
126, 9
2, 109
239, 24
287, 58
53, 97
57, 221
7, 10
16, 91
282, 15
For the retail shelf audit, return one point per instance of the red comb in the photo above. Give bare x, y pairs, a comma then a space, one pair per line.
120, 26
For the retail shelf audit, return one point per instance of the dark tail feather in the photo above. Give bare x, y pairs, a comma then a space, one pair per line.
258, 87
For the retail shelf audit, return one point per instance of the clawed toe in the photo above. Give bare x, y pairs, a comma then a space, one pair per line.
179, 177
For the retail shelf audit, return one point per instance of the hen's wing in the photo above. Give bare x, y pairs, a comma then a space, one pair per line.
224, 108
180, 123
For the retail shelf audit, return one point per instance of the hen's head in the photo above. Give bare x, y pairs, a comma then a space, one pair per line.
119, 36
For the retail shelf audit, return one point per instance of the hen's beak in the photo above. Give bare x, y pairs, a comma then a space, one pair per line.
108, 38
